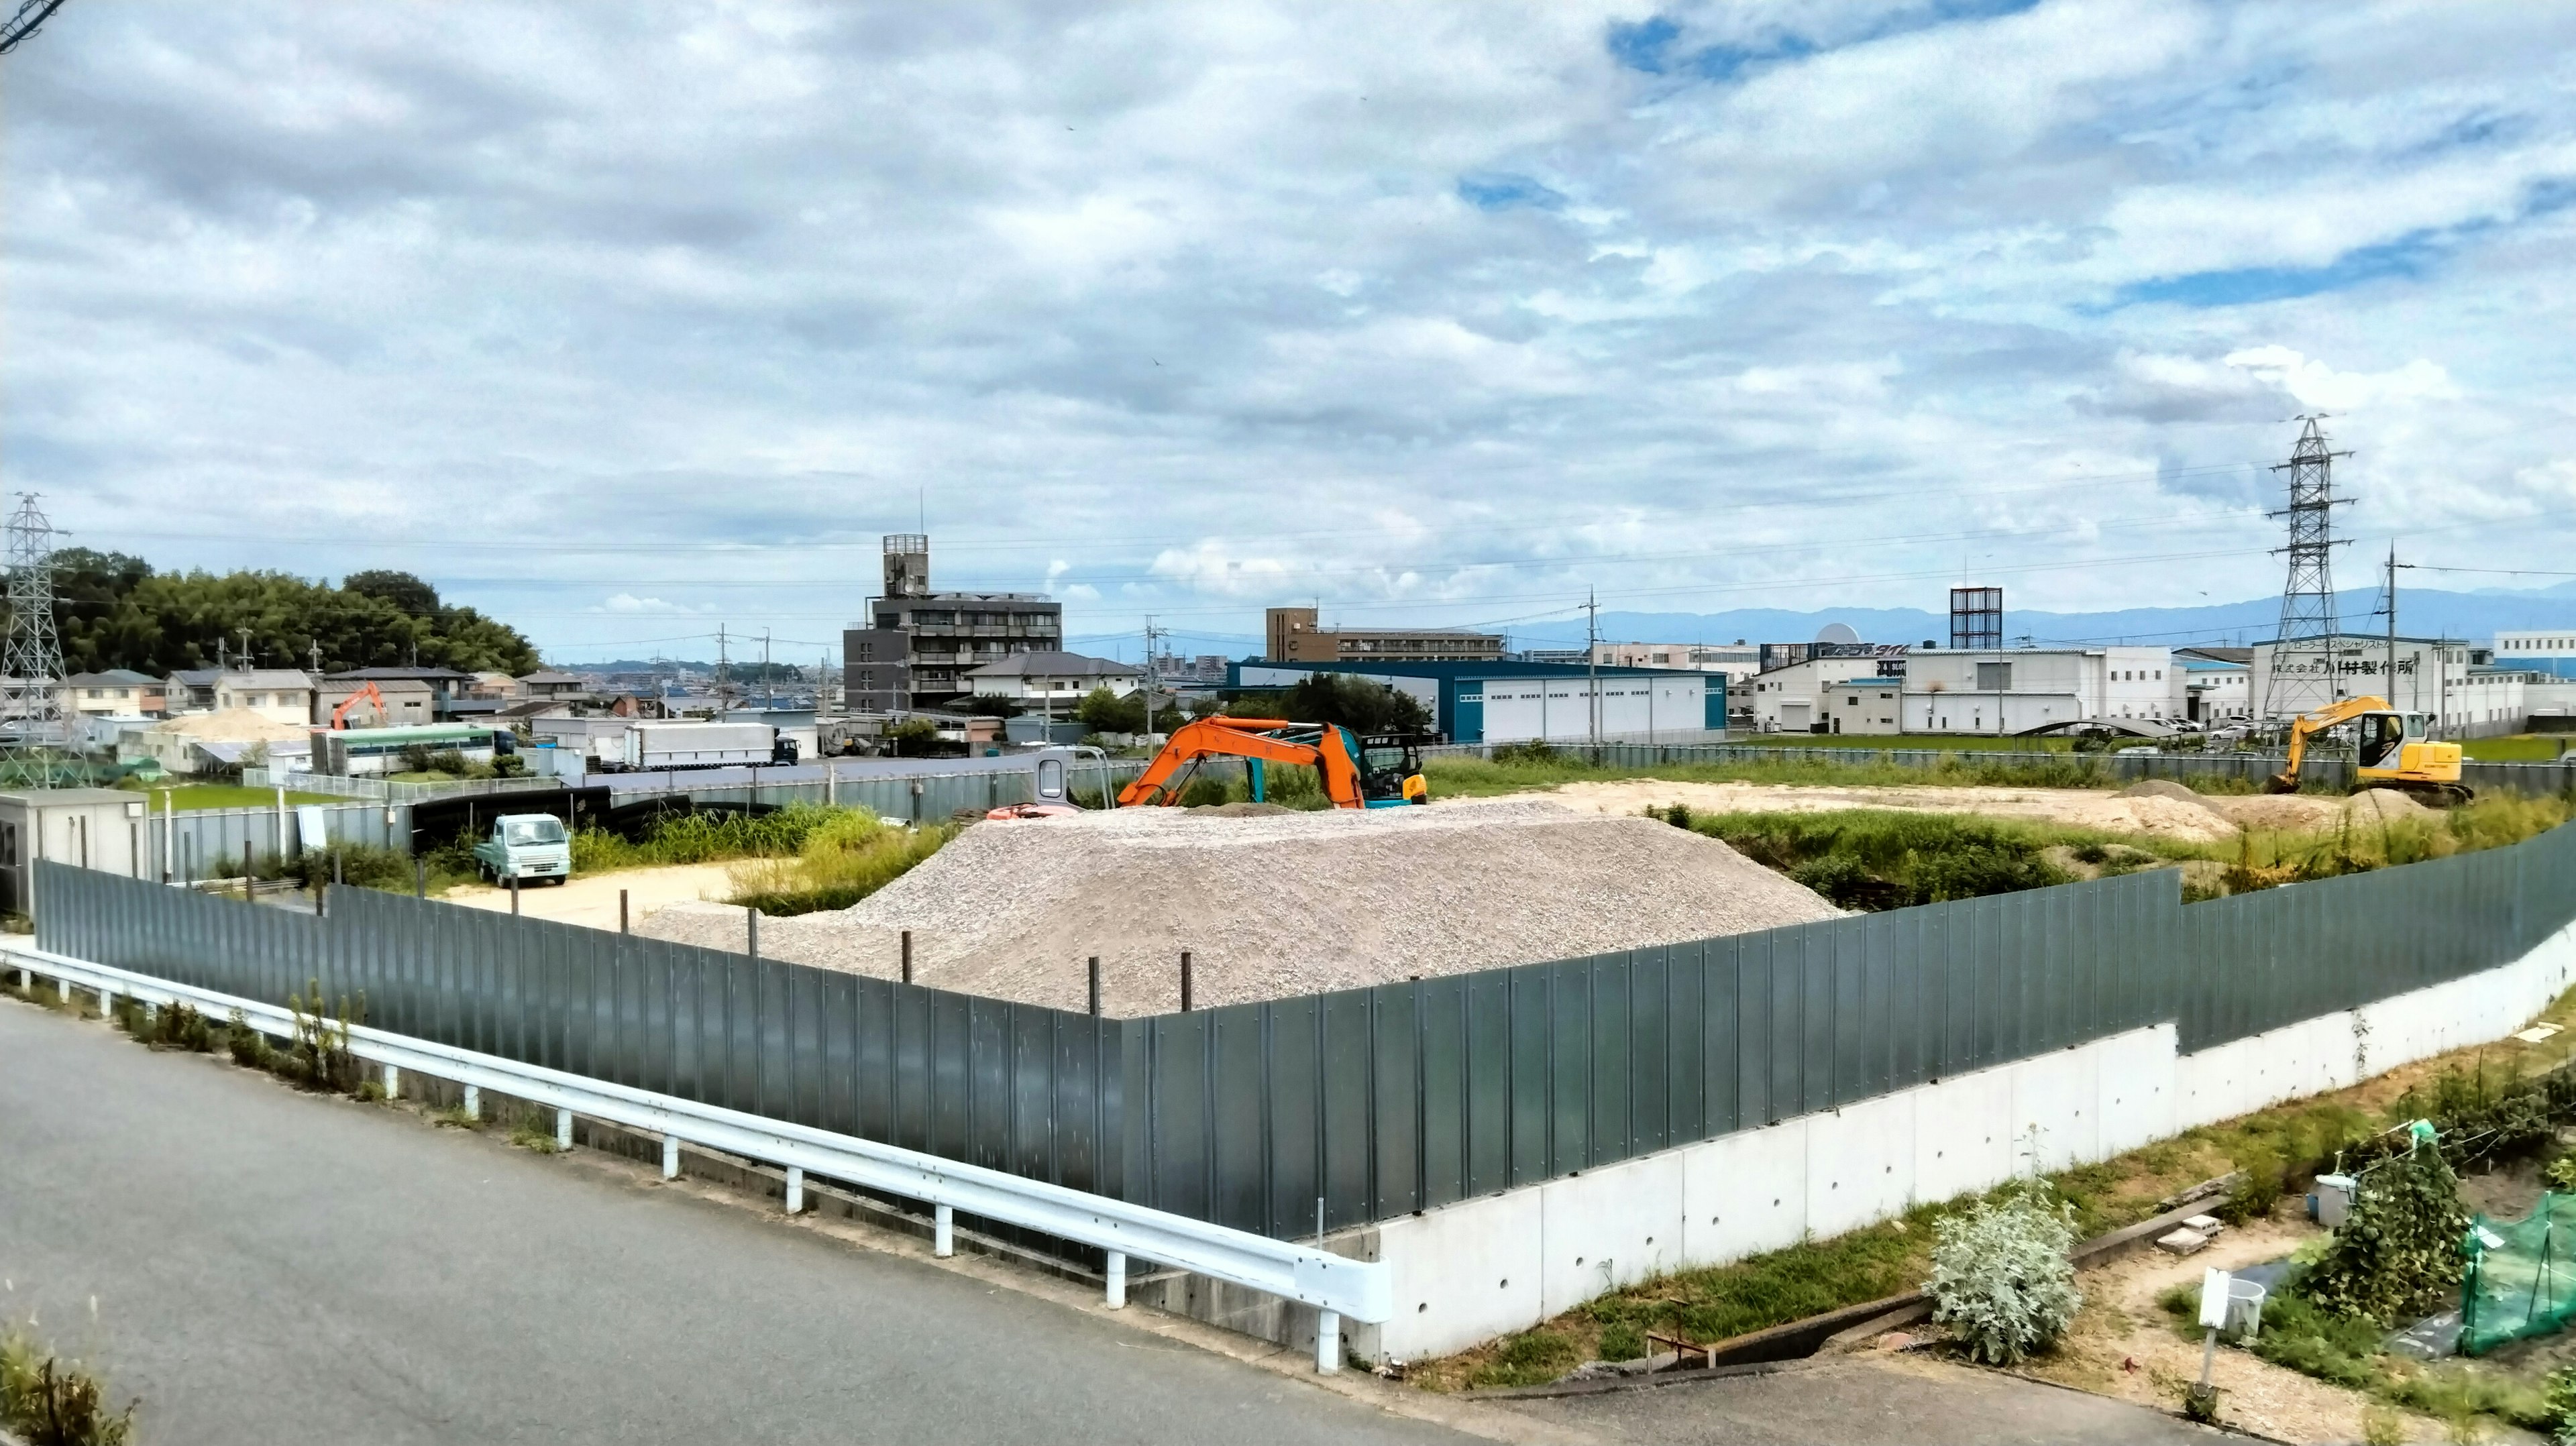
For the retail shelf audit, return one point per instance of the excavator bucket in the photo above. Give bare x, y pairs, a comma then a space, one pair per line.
2281, 783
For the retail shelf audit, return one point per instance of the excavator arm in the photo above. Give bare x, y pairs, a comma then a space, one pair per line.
369, 693
1222, 737
2308, 724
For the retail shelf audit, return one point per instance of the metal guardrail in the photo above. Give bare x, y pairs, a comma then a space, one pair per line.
1335, 1285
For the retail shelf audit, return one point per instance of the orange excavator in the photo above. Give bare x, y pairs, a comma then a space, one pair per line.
367, 693
1372, 773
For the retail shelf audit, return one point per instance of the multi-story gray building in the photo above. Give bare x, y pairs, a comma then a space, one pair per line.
918, 645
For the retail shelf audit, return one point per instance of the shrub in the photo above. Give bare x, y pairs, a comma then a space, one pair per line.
53, 1402
1532, 752
2400, 1249
247, 1046
1622, 1341
1204, 791
2000, 1276
2560, 1401
320, 1058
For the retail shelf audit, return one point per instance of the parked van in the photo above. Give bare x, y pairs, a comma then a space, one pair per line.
531, 847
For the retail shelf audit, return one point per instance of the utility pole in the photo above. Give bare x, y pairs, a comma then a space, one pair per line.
222, 658
723, 664
1592, 662
1153, 677
315, 652
764, 667
245, 647
2392, 624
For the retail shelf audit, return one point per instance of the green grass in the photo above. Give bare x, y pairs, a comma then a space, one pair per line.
1845, 767
840, 862
2520, 748
227, 795
1936, 742
1895, 858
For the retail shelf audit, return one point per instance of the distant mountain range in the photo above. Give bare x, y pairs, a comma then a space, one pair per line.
2476, 616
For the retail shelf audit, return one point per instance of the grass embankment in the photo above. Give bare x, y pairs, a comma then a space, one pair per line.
2519, 748
1938, 742
2280, 1149
226, 795
799, 859
1895, 858
1519, 770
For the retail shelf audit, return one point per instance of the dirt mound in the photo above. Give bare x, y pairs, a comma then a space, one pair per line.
1240, 810
2386, 805
2085, 808
1276, 904
2164, 788
2276, 812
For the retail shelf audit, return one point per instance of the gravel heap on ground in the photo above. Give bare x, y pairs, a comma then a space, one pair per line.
2387, 805
1274, 905
2166, 788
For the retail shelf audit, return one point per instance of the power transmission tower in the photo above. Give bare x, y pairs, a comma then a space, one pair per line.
30, 14
2304, 675
31, 666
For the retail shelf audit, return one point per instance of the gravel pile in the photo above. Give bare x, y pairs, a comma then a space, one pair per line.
1274, 905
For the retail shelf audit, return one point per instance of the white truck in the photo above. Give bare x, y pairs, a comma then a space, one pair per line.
529, 847
650, 744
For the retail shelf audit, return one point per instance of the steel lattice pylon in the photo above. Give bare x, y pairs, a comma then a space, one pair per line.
2303, 676
31, 665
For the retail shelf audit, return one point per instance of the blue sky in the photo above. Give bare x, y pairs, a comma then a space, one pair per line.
630, 322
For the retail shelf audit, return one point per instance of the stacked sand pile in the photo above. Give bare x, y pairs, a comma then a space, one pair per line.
1272, 905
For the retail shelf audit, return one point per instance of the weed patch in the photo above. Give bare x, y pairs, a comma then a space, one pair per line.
49, 1401
1894, 858
839, 861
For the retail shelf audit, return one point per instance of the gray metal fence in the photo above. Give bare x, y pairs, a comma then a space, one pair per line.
2530, 779
1377, 1101
207, 843
1012, 1086
1407, 1096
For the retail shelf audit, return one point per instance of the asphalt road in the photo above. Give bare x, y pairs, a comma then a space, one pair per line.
263, 1267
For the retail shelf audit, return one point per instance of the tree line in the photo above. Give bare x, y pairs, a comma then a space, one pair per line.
113, 611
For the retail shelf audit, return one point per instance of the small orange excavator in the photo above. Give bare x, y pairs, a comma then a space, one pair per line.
367, 693
1373, 773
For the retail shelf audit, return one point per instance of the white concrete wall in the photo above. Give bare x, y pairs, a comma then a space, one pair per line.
1468, 1272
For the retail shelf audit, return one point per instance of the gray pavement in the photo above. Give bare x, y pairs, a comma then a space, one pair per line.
274, 1268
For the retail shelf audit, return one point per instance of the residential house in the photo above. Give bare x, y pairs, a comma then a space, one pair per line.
116, 693
282, 695
408, 702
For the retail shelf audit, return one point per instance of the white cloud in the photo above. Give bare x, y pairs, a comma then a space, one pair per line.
1193, 308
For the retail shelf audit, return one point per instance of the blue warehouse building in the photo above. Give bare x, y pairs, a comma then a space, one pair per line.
1512, 702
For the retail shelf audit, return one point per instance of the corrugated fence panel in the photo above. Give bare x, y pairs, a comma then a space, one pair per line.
1376, 1101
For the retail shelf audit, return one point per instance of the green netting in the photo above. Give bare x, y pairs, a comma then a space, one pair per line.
2525, 1286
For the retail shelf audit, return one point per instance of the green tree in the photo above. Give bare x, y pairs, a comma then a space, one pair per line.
1359, 704
1102, 711
993, 705
114, 611
405, 591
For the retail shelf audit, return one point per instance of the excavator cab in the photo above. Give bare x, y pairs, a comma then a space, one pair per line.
1391, 770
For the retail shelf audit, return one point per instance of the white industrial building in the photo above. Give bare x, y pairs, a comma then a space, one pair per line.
2539, 650
2015, 690
1504, 701
1792, 699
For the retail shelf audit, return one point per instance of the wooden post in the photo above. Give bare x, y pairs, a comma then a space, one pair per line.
1185, 981
419, 877
622, 926
246, 871
907, 956
751, 928
1095, 986
514, 896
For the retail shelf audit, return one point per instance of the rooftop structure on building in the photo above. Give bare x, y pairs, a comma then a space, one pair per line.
917, 647
1295, 635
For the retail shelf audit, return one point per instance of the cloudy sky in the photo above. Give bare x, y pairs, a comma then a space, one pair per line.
627, 321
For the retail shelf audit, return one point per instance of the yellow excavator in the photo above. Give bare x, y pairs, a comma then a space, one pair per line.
2395, 751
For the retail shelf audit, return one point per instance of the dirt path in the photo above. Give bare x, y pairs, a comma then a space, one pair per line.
592, 899
2202, 820
2124, 1347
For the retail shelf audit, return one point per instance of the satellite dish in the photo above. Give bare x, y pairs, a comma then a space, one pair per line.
1837, 633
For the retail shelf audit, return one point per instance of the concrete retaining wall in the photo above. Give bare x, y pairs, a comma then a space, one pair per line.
1468, 1272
